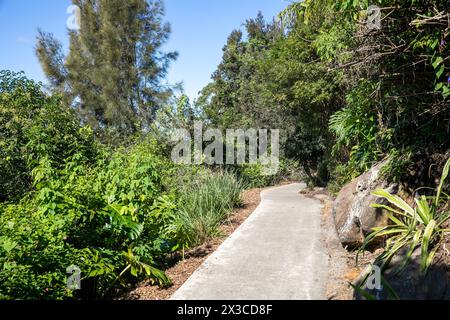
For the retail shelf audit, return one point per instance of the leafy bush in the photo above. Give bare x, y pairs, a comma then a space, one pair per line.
252, 175
34, 254
106, 218
205, 204
359, 142
34, 126
116, 218
411, 228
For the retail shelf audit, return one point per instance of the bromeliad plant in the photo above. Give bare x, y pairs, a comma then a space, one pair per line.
421, 226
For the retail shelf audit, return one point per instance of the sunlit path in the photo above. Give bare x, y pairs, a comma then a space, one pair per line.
276, 254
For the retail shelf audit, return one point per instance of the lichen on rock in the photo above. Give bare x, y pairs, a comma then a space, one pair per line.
353, 214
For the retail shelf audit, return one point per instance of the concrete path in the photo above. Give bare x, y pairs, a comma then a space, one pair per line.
276, 254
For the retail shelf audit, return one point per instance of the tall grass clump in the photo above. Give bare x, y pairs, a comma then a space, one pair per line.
206, 204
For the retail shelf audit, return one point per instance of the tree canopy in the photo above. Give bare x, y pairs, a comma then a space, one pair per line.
114, 71
346, 95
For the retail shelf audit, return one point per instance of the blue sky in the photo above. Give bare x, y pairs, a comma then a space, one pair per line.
199, 31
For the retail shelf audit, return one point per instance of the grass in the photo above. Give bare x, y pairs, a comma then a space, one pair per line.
206, 205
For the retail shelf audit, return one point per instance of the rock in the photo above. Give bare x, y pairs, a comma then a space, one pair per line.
410, 283
354, 217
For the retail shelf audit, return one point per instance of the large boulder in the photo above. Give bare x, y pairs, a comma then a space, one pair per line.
354, 217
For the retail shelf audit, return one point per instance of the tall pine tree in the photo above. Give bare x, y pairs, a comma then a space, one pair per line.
113, 72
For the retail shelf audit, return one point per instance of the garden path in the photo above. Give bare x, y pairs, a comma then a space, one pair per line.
277, 254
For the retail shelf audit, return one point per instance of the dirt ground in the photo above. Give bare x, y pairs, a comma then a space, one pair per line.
183, 269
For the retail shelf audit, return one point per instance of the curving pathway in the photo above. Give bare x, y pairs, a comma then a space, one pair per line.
276, 254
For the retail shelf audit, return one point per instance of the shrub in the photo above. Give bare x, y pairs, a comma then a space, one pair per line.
359, 142
34, 126
109, 218
252, 175
114, 212
34, 254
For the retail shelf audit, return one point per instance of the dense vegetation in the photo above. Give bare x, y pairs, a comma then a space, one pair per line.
116, 213
85, 171
345, 95
86, 176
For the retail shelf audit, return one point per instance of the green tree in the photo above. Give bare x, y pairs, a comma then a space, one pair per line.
113, 72
275, 79
229, 100
398, 103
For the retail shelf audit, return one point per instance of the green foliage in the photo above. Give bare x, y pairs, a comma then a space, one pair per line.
275, 79
113, 72
406, 66
394, 81
33, 127
205, 204
397, 163
252, 175
358, 137
115, 212
34, 254
137, 267
421, 226
109, 210
80, 203
344, 97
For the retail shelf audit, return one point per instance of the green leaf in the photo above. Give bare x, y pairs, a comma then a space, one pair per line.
444, 176
440, 71
413, 246
382, 206
437, 62
395, 200
423, 210
395, 220
8, 245
134, 271
430, 258
427, 235
434, 44
438, 86
445, 91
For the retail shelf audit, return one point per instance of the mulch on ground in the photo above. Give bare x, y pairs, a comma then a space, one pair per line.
183, 269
